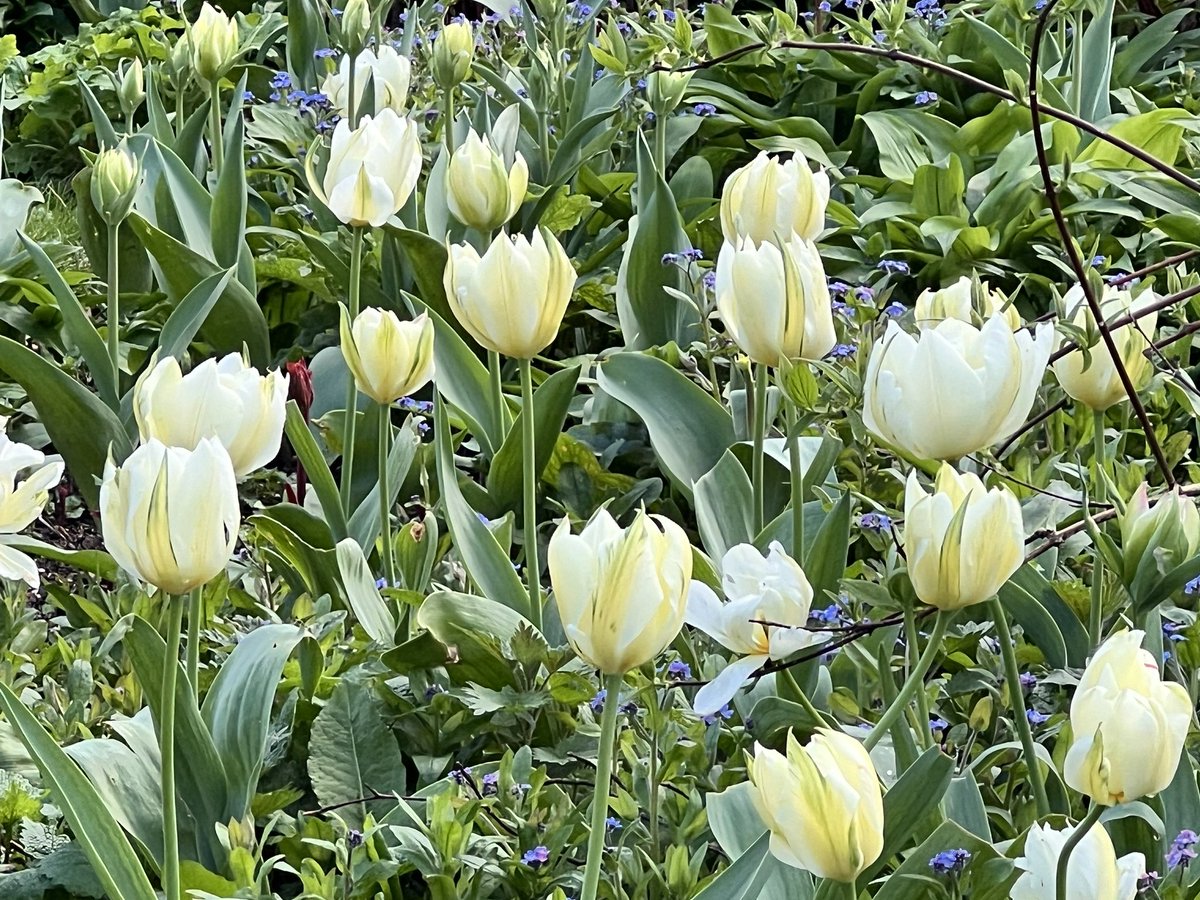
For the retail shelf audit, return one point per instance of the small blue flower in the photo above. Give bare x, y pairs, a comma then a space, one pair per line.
824, 6
893, 266
670, 259
874, 521
537, 857
629, 708
650, 118
693, 255
950, 862
597, 702
841, 307
1097, 262
1028, 681
1035, 717
709, 280
325, 52
925, 98
723, 713
612, 823
830, 615
938, 724
460, 774
281, 80
354, 838
852, 4
1193, 586
843, 351
893, 309
678, 670
640, 84
838, 289
864, 294
490, 781
704, 110
669, 16
1181, 852
247, 96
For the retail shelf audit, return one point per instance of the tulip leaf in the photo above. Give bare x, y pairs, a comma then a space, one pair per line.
909, 802
106, 135
745, 877
1181, 799
723, 500
319, 475
301, 545
772, 715
550, 403
964, 805
427, 260
689, 430
911, 879
186, 319
1039, 626
487, 563
825, 557
95, 830
227, 217
362, 595
1076, 644
364, 522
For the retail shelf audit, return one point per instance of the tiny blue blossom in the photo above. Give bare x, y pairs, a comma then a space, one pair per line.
709, 281
670, 259
325, 52
1181, 851
843, 351
490, 781
1193, 586
924, 98
873, 521
704, 110
537, 857
612, 823
841, 307
1028, 680
1035, 717
597, 702
838, 288
723, 713
678, 670
824, 6
950, 862
830, 615
461, 774
1097, 262
893, 266
864, 294
895, 308
938, 724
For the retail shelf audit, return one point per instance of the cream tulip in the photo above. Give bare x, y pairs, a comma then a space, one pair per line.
25, 482
962, 541
116, 175
957, 301
226, 399
774, 300
372, 170
757, 589
1128, 724
953, 389
389, 359
453, 53
212, 43
621, 593
513, 298
1093, 871
1165, 533
482, 191
822, 804
388, 72
170, 516
769, 200
1095, 382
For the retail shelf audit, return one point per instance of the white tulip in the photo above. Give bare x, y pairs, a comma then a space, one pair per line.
757, 589
953, 389
1128, 724
21, 501
1165, 533
774, 300
482, 191
1093, 871
170, 516
957, 301
372, 170
389, 359
388, 72
768, 200
226, 399
212, 43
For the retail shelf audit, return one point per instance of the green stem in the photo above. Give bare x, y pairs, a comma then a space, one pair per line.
166, 743
660, 146
759, 424
915, 681
351, 87
351, 425
448, 123
195, 623
217, 137
796, 483
1016, 699
912, 649
1098, 492
604, 765
114, 306
1077, 73
497, 383
528, 439
385, 504
1064, 859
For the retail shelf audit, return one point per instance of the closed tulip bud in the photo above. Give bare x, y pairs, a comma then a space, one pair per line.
355, 24
1095, 382
757, 589
213, 43
372, 170
1158, 536
453, 52
1093, 871
1128, 724
481, 191
170, 516
957, 301
953, 389
822, 804
774, 300
225, 399
962, 541
665, 90
116, 175
133, 87
512, 299
621, 593
981, 714
768, 200
25, 482
389, 359
388, 73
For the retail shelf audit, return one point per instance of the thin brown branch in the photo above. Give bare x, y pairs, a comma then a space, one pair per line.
1120, 280
1031, 424
1132, 316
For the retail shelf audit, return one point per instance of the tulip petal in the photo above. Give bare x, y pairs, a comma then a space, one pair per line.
714, 695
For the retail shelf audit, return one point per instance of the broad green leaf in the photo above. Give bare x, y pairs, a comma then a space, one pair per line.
320, 477
364, 523
910, 879
909, 802
1096, 61
1075, 642
228, 212
93, 562
302, 547
723, 498
189, 316
744, 879
106, 135
362, 595
964, 804
1159, 132
827, 554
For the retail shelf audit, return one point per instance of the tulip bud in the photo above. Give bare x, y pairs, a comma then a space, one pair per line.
480, 191
133, 87
213, 43
822, 804
981, 714
512, 299
389, 359
665, 90
453, 52
170, 516
962, 541
621, 594
25, 482
994, 373
355, 25
957, 301
1095, 381
768, 200
116, 175
1156, 538
224, 399
388, 72
1093, 871
775, 300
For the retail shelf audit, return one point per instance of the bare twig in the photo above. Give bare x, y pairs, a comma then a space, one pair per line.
1032, 424
1120, 280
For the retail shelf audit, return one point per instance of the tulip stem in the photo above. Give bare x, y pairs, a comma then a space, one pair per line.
385, 496
1064, 858
1096, 595
166, 743
448, 124
195, 621
218, 143
497, 383
351, 413
529, 437
913, 642
914, 681
351, 101
1016, 699
759, 423
604, 766
796, 483
114, 307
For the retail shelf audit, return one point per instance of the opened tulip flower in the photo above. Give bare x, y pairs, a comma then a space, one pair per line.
226, 399
957, 301
512, 299
483, 190
1128, 724
758, 589
389, 359
387, 72
954, 388
213, 43
962, 541
769, 200
774, 300
821, 803
1158, 536
25, 482
1095, 381
1093, 871
372, 169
